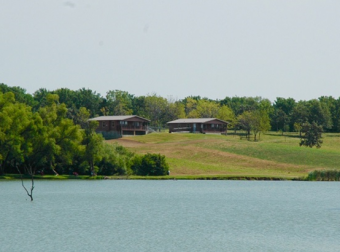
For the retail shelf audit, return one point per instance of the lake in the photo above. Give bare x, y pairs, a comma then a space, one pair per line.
145, 215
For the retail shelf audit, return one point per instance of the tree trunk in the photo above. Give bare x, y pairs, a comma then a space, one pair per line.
1, 169
30, 171
52, 168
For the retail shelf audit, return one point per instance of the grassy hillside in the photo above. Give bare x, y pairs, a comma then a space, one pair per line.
273, 156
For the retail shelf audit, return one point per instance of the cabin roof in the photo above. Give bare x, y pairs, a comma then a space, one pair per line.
195, 120
116, 118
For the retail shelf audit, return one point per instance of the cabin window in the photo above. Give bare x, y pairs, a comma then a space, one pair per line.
103, 124
212, 125
112, 123
123, 122
137, 124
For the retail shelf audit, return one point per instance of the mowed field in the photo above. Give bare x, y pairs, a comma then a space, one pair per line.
273, 156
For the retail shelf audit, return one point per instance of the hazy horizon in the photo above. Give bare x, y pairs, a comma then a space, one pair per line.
175, 49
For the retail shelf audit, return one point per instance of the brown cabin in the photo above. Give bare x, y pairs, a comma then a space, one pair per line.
118, 126
198, 125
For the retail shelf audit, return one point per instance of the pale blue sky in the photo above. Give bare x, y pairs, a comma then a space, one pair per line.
213, 48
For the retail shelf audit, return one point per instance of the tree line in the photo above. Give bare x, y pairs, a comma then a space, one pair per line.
48, 137
252, 114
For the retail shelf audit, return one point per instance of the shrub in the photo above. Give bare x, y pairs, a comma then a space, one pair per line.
324, 175
150, 165
115, 161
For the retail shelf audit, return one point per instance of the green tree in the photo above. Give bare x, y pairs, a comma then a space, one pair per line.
40, 98
207, 109
63, 136
93, 147
174, 111
333, 106
150, 165
300, 115
244, 121
14, 120
155, 109
298, 127
191, 107
312, 135
82, 116
115, 161
256, 121
226, 114
119, 102
19, 93
264, 121
319, 113
90, 100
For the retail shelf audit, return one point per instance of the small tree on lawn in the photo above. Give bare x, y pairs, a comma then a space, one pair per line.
312, 135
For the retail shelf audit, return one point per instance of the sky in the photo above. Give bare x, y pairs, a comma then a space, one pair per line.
174, 48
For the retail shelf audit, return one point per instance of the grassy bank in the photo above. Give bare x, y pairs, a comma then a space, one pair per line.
226, 157
217, 157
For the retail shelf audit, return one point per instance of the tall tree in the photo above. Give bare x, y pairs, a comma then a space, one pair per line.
90, 100
207, 109
319, 113
300, 115
244, 121
93, 143
191, 107
119, 102
19, 93
333, 106
174, 110
226, 114
155, 109
14, 120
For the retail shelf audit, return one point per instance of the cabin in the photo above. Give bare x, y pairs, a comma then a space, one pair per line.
118, 126
198, 125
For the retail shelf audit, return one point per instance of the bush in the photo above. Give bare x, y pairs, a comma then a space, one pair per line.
115, 161
150, 165
324, 175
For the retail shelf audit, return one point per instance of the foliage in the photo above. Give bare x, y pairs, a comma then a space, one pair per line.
312, 135
119, 102
226, 114
19, 93
150, 165
115, 161
319, 113
255, 121
324, 175
15, 120
94, 146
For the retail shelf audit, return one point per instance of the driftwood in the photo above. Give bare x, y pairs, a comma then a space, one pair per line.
30, 172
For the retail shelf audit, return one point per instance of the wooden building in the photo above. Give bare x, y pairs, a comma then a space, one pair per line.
198, 125
118, 126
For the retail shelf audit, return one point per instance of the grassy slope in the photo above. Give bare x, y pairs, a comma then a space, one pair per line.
273, 156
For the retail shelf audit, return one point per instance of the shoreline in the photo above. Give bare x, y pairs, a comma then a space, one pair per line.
132, 177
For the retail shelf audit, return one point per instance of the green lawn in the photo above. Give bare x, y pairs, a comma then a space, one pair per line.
199, 156
273, 155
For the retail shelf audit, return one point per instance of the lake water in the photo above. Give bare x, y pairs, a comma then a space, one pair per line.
134, 216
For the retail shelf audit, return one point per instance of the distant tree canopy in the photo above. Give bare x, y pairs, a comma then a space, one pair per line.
284, 114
